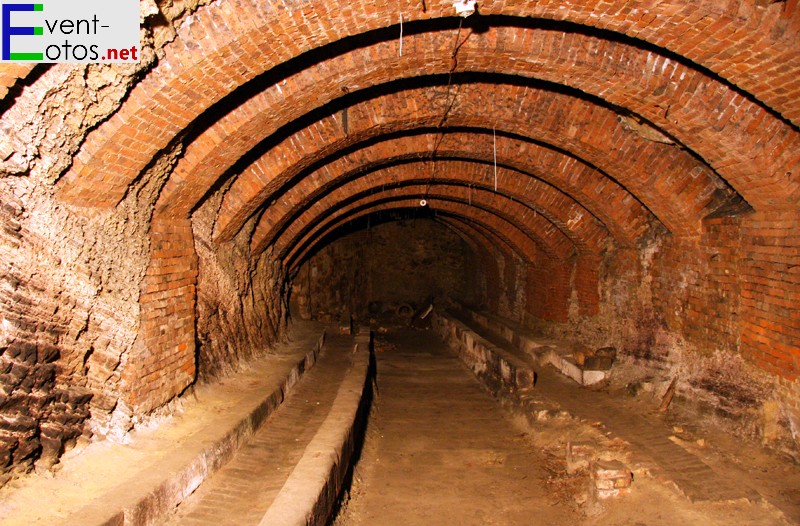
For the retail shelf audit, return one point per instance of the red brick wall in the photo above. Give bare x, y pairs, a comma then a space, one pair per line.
769, 280
548, 289
737, 289
585, 282
696, 289
162, 362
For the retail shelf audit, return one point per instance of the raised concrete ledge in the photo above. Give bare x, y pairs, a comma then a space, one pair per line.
536, 347
139, 482
500, 371
543, 350
310, 493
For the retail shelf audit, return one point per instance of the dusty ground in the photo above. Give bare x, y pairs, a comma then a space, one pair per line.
440, 451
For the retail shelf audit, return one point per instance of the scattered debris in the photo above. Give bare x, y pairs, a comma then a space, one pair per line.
665, 401
596, 360
381, 346
420, 319
579, 455
564, 487
611, 479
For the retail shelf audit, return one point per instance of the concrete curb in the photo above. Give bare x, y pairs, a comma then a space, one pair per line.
544, 350
499, 370
177, 485
310, 493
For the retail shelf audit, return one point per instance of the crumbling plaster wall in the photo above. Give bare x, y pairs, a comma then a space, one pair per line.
242, 303
69, 312
70, 277
678, 308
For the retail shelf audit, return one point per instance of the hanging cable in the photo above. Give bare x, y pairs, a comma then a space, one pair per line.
450, 102
494, 144
401, 34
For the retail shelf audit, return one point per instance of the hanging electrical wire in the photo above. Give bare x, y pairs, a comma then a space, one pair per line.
494, 146
401, 34
494, 138
449, 104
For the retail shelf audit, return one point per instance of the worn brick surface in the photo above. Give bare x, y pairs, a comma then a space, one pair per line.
647, 435
162, 106
545, 204
683, 186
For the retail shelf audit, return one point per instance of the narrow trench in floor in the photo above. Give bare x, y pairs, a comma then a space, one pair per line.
459, 433
442, 446
439, 450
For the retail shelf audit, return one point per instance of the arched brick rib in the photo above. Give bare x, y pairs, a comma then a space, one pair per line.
624, 217
502, 215
479, 236
536, 225
574, 221
479, 245
243, 38
500, 245
674, 185
495, 225
708, 116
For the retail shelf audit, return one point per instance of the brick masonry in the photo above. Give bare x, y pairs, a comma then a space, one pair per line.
648, 179
162, 362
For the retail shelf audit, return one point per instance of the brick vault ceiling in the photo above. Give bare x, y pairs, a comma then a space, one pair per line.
534, 126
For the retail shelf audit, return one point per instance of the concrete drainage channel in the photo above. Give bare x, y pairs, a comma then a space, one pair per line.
294, 469
311, 493
149, 481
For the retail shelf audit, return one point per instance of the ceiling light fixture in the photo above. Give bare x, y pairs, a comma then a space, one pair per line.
465, 7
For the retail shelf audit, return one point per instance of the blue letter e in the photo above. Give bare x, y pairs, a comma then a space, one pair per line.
8, 30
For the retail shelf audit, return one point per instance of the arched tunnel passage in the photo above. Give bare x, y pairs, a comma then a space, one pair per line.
219, 288
384, 267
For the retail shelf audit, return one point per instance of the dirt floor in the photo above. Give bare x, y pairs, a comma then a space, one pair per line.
439, 450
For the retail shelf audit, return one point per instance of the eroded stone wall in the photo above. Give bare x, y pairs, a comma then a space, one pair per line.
70, 314
71, 277
714, 311
241, 302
